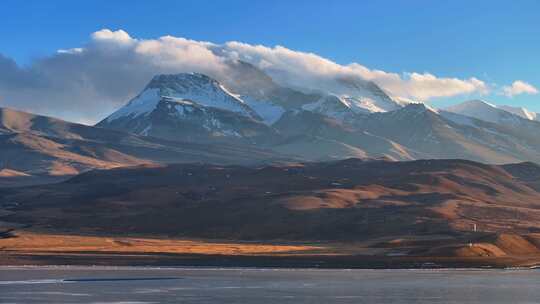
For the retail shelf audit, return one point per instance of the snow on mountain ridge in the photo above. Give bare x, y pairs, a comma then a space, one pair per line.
481, 110
520, 111
331, 106
492, 113
143, 103
194, 87
202, 89
269, 112
366, 95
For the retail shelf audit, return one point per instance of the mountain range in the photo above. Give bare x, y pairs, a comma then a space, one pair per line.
247, 118
39, 149
361, 121
240, 157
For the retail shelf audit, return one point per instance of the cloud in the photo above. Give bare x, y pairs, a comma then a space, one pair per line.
426, 86
302, 69
88, 82
71, 51
179, 54
116, 37
519, 87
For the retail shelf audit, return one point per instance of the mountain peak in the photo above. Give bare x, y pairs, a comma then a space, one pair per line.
416, 108
478, 102
194, 87
366, 95
488, 112
476, 108
162, 81
522, 112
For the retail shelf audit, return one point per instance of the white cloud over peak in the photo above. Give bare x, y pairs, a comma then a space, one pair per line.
519, 87
179, 54
116, 37
88, 82
303, 69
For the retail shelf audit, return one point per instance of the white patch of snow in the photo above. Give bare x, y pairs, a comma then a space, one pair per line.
230, 133
269, 112
331, 106
144, 103
146, 130
402, 101
362, 104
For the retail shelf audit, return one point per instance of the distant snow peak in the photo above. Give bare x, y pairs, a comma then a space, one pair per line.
366, 96
486, 111
520, 111
344, 107
478, 109
479, 103
194, 87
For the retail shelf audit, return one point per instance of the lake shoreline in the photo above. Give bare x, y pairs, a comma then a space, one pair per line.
238, 261
24, 247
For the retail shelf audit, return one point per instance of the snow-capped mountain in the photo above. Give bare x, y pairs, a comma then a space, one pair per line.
350, 98
261, 93
361, 98
450, 135
486, 111
191, 107
185, 86
366, 96
520, 111
247, 92
333, 106
478, 109
360, 120
344, 99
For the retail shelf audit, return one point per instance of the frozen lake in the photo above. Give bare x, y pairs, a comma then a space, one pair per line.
202, 285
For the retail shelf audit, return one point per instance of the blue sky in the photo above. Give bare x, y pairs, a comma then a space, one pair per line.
494, 41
